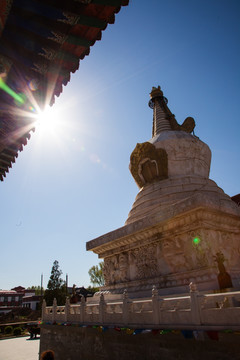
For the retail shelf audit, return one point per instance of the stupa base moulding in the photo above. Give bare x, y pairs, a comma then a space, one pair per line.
170, 254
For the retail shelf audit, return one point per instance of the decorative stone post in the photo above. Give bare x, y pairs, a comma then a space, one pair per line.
101, 309
82, 309
195, 308
54, 310
67, 309
44, 309
125, 309
155, 306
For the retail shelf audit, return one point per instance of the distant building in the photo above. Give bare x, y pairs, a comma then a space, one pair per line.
19, 289
18, 297
10, 299
31, 301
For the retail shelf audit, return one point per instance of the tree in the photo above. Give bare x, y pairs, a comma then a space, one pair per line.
56, 287
96, 274
37, 289
92, 289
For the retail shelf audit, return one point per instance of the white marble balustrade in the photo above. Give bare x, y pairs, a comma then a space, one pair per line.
196, 310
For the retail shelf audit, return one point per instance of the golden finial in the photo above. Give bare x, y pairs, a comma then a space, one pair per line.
156, 92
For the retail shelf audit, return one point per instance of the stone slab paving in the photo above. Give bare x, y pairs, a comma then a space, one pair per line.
21, 348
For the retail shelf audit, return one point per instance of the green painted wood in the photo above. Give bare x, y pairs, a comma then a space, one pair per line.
91, 21
74, 40
107, 2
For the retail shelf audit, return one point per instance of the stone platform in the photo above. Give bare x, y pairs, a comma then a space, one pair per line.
90, 344
165, 252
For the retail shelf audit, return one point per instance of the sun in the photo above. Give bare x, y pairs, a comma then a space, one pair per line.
48, 120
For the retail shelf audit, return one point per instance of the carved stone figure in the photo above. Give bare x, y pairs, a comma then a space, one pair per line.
115, 269
224, 279
108, 270
123, 267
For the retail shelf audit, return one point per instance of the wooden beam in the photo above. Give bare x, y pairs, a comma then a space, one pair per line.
92, 22
107, 2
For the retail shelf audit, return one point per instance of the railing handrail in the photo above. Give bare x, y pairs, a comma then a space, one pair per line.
154, 311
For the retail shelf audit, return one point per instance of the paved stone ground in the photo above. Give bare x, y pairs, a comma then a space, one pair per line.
21, 348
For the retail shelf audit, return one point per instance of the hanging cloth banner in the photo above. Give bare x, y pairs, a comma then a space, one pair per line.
213, 335
188, 334
138, 331
199, 335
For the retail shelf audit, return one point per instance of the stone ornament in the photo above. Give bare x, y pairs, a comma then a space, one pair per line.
224, 279
192, 287
148, 164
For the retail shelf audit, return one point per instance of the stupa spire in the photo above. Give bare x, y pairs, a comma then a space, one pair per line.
163, 119
160, 111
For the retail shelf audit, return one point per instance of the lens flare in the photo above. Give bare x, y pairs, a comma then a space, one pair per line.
19, 98
196, 241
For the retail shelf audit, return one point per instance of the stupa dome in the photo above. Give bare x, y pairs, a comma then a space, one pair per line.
187, 155
172, 169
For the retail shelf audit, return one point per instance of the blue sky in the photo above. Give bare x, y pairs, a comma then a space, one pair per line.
72, 184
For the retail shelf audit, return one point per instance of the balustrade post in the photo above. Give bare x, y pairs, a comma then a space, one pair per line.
101, 309
43, 309
125, 309
54, 310
82, 309
195, 308
67, 309
155, 306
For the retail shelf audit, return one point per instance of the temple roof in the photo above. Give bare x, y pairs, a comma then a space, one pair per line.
41, 44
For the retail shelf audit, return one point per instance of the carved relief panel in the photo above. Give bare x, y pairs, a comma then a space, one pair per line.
182, 253
115, 269
173, 252
145, 261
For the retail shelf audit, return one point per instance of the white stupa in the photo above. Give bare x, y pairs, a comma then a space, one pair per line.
182, 227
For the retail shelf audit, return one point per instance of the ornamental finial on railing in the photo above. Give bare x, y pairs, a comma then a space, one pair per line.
154, 291
125, 294
192, 287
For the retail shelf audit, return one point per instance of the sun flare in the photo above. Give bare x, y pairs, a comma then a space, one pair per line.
48, 120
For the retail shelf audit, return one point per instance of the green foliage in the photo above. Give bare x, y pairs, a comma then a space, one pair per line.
96, 274
93, 289
17, 331
8, 330
56, 287
37, 289
58, 294
55, 281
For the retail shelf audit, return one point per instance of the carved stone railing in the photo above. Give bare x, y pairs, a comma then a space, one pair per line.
206, 311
